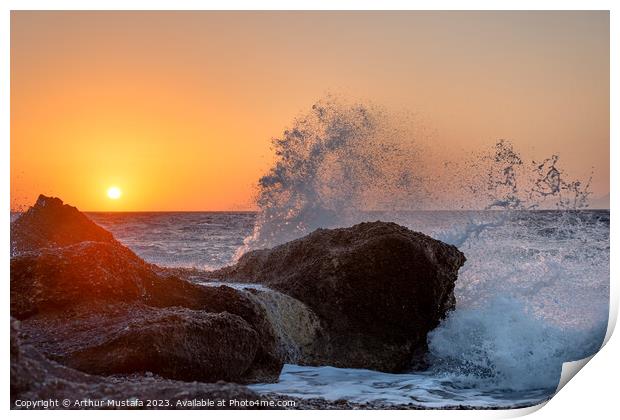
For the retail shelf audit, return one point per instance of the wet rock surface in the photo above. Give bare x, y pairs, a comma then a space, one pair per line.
378, 289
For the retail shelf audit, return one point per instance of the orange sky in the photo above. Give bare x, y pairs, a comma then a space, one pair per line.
178, 108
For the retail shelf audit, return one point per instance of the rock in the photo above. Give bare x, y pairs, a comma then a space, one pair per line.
101, 297
378, 289
297, 328
52, 279
39, 227
36, 378
175, 343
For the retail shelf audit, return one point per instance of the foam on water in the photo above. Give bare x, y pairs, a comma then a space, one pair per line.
422, 389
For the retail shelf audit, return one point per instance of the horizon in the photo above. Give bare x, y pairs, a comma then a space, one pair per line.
597, 207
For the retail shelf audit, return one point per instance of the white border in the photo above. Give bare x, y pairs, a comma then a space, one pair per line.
593, 394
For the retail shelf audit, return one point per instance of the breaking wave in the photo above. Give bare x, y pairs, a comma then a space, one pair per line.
502, 346
534, 291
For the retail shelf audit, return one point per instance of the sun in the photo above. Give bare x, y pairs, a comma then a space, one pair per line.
114, 193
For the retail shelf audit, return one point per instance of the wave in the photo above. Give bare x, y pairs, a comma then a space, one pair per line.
534, 291
533, 294
503, 346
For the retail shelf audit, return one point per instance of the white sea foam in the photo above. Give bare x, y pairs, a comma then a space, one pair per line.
361, 386
501, 346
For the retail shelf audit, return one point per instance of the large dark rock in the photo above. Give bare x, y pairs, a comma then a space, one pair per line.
175, 343
51, 223
81, 295
36, 378
55, 278
378, 289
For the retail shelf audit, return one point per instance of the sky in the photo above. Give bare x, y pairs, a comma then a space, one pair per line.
178, 109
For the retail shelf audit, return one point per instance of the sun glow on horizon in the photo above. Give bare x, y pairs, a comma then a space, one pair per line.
169, 111
114, 193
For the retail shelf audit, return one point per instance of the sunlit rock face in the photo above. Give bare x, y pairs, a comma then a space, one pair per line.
91, 303
51, 223
378, 289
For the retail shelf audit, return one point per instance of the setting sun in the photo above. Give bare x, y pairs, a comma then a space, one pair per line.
114, 193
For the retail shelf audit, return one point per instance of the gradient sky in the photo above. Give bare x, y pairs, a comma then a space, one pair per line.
178, 108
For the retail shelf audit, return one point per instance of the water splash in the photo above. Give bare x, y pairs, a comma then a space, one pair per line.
502, 346
334, 162
516, 185
529, 297
341, 160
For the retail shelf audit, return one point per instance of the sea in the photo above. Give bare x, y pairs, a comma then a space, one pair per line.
533, 294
